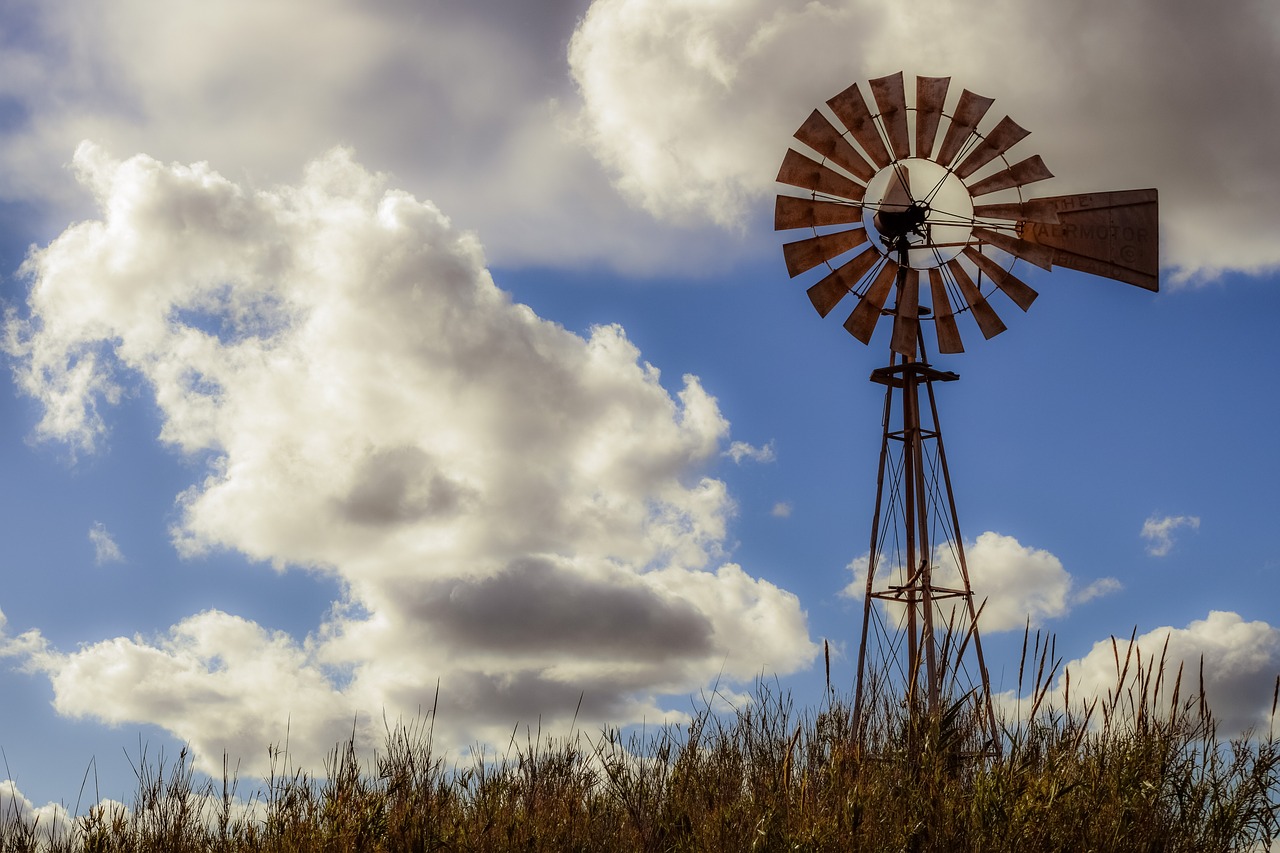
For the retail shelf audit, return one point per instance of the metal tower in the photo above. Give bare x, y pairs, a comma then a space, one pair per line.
884, 208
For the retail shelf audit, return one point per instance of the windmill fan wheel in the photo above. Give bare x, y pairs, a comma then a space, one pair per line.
887, 202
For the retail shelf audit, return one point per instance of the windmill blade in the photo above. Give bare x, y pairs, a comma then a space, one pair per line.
988, 321
1013, 287
1020, 174
891, 99
1115, 235
968, 113
931, 94
799, 171
943, 317
862, 322
1031, 210
851, 108
826, 294
820, 135
1034, 253
1003, 136
906, 317
792, 212
804, 255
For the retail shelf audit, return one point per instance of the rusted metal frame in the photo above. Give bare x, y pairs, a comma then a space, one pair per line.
892, 642
964, 575
917, 367
924, 542
940, 592
912, 512
890, 545
872, 561
929, 196
909, 526
914, 656
954, 295
973, 633
942, 532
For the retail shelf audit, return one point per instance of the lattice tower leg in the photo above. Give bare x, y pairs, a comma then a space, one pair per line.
920, 645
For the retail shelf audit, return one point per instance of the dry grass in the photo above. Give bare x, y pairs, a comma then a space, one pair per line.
1142, 769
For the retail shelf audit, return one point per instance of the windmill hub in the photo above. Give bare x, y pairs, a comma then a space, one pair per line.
896, 224
924, 203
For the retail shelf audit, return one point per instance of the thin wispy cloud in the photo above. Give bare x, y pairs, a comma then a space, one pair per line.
740, 451
781, 509
1159, 530
105, 549
1097, 589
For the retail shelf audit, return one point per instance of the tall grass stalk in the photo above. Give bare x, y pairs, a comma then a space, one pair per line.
1141, 768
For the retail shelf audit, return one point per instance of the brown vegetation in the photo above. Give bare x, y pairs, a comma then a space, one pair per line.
1141, 769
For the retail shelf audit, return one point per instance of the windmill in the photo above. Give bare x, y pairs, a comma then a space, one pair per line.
888, 205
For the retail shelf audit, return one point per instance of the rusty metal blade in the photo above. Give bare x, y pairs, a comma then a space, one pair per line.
1013, 287
820, 135
804, 255
799, 171
931, 94
943, 317
988, 321
1032, 253
969, 111
891, 98
792, 212
1031, 210
1002, 137
851, 108
1020, 174
862, 322
1115, 235
906, 316
827, 293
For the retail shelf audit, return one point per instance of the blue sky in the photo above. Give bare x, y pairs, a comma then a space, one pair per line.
364, 347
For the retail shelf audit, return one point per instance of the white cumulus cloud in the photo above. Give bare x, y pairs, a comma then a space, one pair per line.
1239, 661
469, 103
517, 513
740, 450
50, 820
516, 116
1159, 530
1012, 582
691, 104
105, 549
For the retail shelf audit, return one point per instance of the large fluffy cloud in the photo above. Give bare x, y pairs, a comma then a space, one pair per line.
691, 102
469, 103
1238, 660
687, 104
514, 512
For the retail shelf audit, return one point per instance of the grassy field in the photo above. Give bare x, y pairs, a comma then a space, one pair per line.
1141, 769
